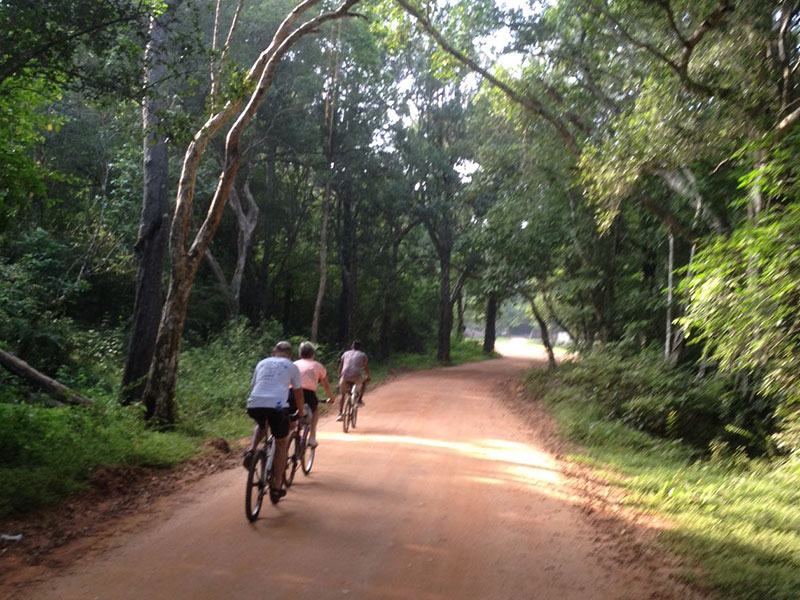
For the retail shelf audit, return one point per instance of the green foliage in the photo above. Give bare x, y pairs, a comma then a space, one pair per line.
215, 379
735, 516
644, 392
22, 125
743, 292
49, 452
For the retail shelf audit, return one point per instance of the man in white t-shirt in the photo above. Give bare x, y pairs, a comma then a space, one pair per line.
350, 365
269, 403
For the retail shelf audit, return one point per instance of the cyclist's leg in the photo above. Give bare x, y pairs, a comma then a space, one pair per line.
259, 430
312, 403
342, 390
281, 459
279, 426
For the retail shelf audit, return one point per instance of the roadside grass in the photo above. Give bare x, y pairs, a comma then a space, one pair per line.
738, 518
48, 453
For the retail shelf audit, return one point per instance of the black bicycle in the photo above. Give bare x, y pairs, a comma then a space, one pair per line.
301, 455
259, 478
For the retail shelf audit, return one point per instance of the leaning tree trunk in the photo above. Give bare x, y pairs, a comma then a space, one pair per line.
160, 390
489, 332
152, 238
247, 221
460, 328
551, 357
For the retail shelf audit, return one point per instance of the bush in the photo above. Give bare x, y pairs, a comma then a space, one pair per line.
214, 380
651, 395
46, 453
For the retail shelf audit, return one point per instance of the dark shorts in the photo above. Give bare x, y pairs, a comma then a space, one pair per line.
278, 419
309, 399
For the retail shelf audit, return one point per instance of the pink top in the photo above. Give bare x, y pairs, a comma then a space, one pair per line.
311, 373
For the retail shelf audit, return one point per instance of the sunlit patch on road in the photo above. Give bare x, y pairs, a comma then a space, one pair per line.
517, 461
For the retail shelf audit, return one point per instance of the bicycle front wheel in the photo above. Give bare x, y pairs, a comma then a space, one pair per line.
347, 413
294, 457
256, 483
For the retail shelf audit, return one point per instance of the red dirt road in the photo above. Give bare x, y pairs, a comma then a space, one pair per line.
441, 493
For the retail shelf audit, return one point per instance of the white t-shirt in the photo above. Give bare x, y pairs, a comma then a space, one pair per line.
352, 361
311, 373
271, 381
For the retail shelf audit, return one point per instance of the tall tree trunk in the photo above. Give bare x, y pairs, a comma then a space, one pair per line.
445, 309
323, 264
460, 329
551, 357
490, 332
347, 261
670, 269
153, 225
329, 122
160, 390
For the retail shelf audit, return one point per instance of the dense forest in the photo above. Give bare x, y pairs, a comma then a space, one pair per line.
184, 183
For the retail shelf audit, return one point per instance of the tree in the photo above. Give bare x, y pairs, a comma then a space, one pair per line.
152, 237
160, 388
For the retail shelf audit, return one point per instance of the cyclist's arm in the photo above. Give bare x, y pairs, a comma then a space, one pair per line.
366, 369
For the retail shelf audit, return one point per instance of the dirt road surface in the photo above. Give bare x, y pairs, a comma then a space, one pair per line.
441, 493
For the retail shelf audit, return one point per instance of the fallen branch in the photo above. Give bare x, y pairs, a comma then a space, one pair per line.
51, 386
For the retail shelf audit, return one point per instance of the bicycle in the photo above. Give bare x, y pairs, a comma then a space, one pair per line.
300, 453
352, 399
259, 477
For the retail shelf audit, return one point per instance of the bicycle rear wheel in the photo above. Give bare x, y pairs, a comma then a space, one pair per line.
294, 457
354, 416
256, 482
307, 459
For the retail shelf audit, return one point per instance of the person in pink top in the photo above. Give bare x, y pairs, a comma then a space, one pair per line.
350, 365
312, 374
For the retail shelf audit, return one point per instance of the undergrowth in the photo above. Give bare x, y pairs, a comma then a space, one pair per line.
735, 515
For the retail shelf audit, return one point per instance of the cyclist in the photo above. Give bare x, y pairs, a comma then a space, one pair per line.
268, 403
312, 374
350, 365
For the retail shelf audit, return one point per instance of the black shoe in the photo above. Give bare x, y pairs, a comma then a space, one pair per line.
361, 403
247, 459
276, 495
